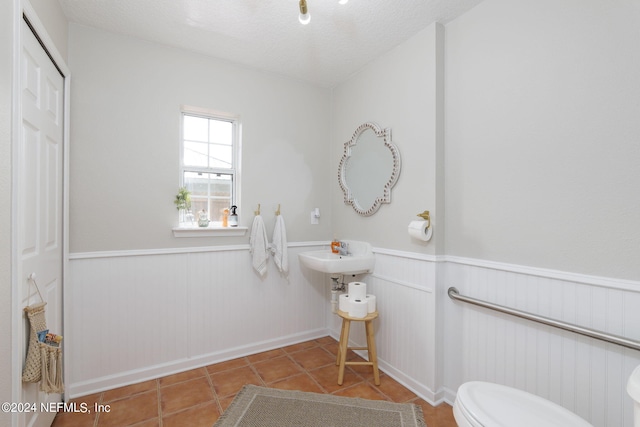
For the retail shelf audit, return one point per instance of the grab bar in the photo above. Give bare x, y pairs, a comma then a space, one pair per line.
614, 339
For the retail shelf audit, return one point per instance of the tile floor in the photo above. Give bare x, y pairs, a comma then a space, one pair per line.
198, 397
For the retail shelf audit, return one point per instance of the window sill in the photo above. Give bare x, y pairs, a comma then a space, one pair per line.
211, 231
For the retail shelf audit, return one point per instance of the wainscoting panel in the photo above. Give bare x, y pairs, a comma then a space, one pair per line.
405, 330
138, 315
583, 374
135, 316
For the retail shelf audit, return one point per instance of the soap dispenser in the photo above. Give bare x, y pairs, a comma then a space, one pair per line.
233, 218
335, 244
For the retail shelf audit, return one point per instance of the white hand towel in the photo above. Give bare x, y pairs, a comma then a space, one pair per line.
279, 246
259, 245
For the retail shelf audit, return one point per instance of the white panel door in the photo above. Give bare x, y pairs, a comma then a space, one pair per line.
40, 198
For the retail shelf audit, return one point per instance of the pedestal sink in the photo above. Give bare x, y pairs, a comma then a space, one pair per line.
359, 260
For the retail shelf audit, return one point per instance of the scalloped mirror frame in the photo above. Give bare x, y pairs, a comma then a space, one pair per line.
385, 197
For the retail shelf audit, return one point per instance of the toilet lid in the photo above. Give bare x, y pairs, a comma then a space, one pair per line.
633, 385
495, 405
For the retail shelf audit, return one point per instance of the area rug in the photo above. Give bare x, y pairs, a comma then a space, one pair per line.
257, 406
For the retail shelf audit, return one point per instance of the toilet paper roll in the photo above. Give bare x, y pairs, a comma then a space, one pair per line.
358, 290
371, 301
344, 303
419, 230
358, 308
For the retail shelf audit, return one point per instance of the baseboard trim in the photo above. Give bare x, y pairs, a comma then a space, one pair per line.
152, 372
421, 390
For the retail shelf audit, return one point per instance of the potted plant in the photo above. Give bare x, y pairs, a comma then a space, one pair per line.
183, 203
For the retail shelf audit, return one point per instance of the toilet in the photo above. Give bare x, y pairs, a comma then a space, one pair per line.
633, 388
483, 404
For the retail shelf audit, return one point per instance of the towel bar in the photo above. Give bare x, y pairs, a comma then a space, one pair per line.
614, 339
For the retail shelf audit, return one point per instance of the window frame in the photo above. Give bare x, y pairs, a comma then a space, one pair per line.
184, 230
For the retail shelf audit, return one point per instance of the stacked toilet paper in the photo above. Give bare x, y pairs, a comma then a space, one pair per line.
357, 303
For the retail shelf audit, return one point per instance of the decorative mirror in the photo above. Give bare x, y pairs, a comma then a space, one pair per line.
369, 168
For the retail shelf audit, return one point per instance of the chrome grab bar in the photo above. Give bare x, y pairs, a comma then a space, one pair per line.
614, 339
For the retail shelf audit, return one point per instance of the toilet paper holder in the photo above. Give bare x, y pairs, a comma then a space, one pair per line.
425, 215
421, 230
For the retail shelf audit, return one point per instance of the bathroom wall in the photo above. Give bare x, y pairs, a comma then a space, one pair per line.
404, 284
539, 101
52, 17
542, 133
585, 375
126, 102
7, 16
400, 91
541, 198
139, 315
177, 303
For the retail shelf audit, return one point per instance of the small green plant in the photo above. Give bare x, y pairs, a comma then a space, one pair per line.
183, 199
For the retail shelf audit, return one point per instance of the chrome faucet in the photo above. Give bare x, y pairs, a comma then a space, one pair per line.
343, 249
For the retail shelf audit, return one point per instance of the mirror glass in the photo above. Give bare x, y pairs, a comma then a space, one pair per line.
369, 168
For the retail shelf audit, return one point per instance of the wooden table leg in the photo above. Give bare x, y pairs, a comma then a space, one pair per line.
344, 343
340, 343
371, 348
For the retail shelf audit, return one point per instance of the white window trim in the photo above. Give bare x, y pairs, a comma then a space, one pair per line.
214, 229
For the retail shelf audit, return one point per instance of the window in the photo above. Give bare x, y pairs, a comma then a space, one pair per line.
209, 162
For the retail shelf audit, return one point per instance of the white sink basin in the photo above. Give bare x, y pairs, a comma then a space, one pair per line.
359, 260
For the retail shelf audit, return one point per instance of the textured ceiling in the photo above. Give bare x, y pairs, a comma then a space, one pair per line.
266, 34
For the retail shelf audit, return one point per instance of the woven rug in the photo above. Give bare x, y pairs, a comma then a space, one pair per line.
257, 406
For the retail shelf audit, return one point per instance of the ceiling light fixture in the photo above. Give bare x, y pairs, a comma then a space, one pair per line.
304, 16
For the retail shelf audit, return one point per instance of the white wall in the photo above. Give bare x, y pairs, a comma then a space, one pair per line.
585, 375
165, 311
540, 167
542, 154
200, 294
287, 159
540, 170
55, 22
404, 284
126, 99
401, 90
398, 90
542, 134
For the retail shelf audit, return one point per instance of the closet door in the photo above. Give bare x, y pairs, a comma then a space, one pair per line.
40, 199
